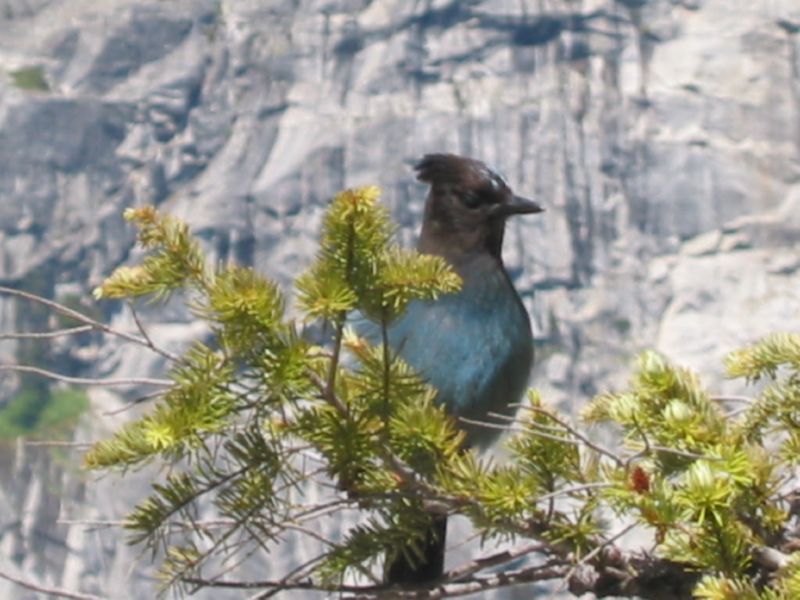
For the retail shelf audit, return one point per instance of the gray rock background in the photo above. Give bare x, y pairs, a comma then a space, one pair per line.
662, 135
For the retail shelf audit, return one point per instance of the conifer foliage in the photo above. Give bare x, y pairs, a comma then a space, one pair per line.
258, 416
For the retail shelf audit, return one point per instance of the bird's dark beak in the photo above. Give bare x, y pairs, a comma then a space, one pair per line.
519, 206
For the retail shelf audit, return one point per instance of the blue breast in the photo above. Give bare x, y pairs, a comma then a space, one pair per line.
474, 346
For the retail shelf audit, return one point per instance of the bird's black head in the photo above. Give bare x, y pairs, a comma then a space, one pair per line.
467, 206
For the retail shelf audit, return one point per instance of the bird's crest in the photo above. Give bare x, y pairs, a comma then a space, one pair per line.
460, 171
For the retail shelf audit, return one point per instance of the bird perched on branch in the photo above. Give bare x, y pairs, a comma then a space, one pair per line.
475, 346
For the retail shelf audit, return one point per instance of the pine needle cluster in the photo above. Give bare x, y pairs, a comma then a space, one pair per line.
702, 479
243, 412
260, 413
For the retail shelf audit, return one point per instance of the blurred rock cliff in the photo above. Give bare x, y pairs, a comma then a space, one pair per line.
663, 136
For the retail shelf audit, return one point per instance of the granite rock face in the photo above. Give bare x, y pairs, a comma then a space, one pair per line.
662, 135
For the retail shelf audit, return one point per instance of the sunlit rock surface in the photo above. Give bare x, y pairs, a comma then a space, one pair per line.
663, 136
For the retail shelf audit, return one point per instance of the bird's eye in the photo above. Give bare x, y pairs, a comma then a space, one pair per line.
471, 199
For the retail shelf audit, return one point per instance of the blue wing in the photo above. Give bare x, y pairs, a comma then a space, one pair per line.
474, 347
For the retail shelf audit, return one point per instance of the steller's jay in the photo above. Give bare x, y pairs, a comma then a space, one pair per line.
475, 346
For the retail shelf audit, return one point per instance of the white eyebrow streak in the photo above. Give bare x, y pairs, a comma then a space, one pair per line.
494, 177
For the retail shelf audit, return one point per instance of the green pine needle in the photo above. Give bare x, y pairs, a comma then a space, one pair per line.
176, 259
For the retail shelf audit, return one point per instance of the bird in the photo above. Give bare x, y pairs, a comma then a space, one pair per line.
474, 346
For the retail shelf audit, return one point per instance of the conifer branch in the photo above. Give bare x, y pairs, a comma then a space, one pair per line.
471, 585
244, 412
607, 572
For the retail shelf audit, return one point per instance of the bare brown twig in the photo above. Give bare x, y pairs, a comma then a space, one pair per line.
48, 590
146, 337
93, 323
46, 334
474, 566
384, 592
84, 380
59, 444
134, 403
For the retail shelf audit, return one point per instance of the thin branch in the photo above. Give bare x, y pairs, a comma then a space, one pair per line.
333, 368
92, 525
238, 523
295, 573
684, 453
207, 524
598, 485
513, 429
643, 452
328, 396
147, 339
648, 448
80, 317
84, 380
232, 562
57, 444
330, 384
384, 592
136, 402
177, 508
310, 533
256, 585
739, 399
46, 334
738, 411
48, 590
316, 511
479, 564
524, 430
770, 558
554, 429
574, 432
302, 571
471, 586
386, 379
218, 544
